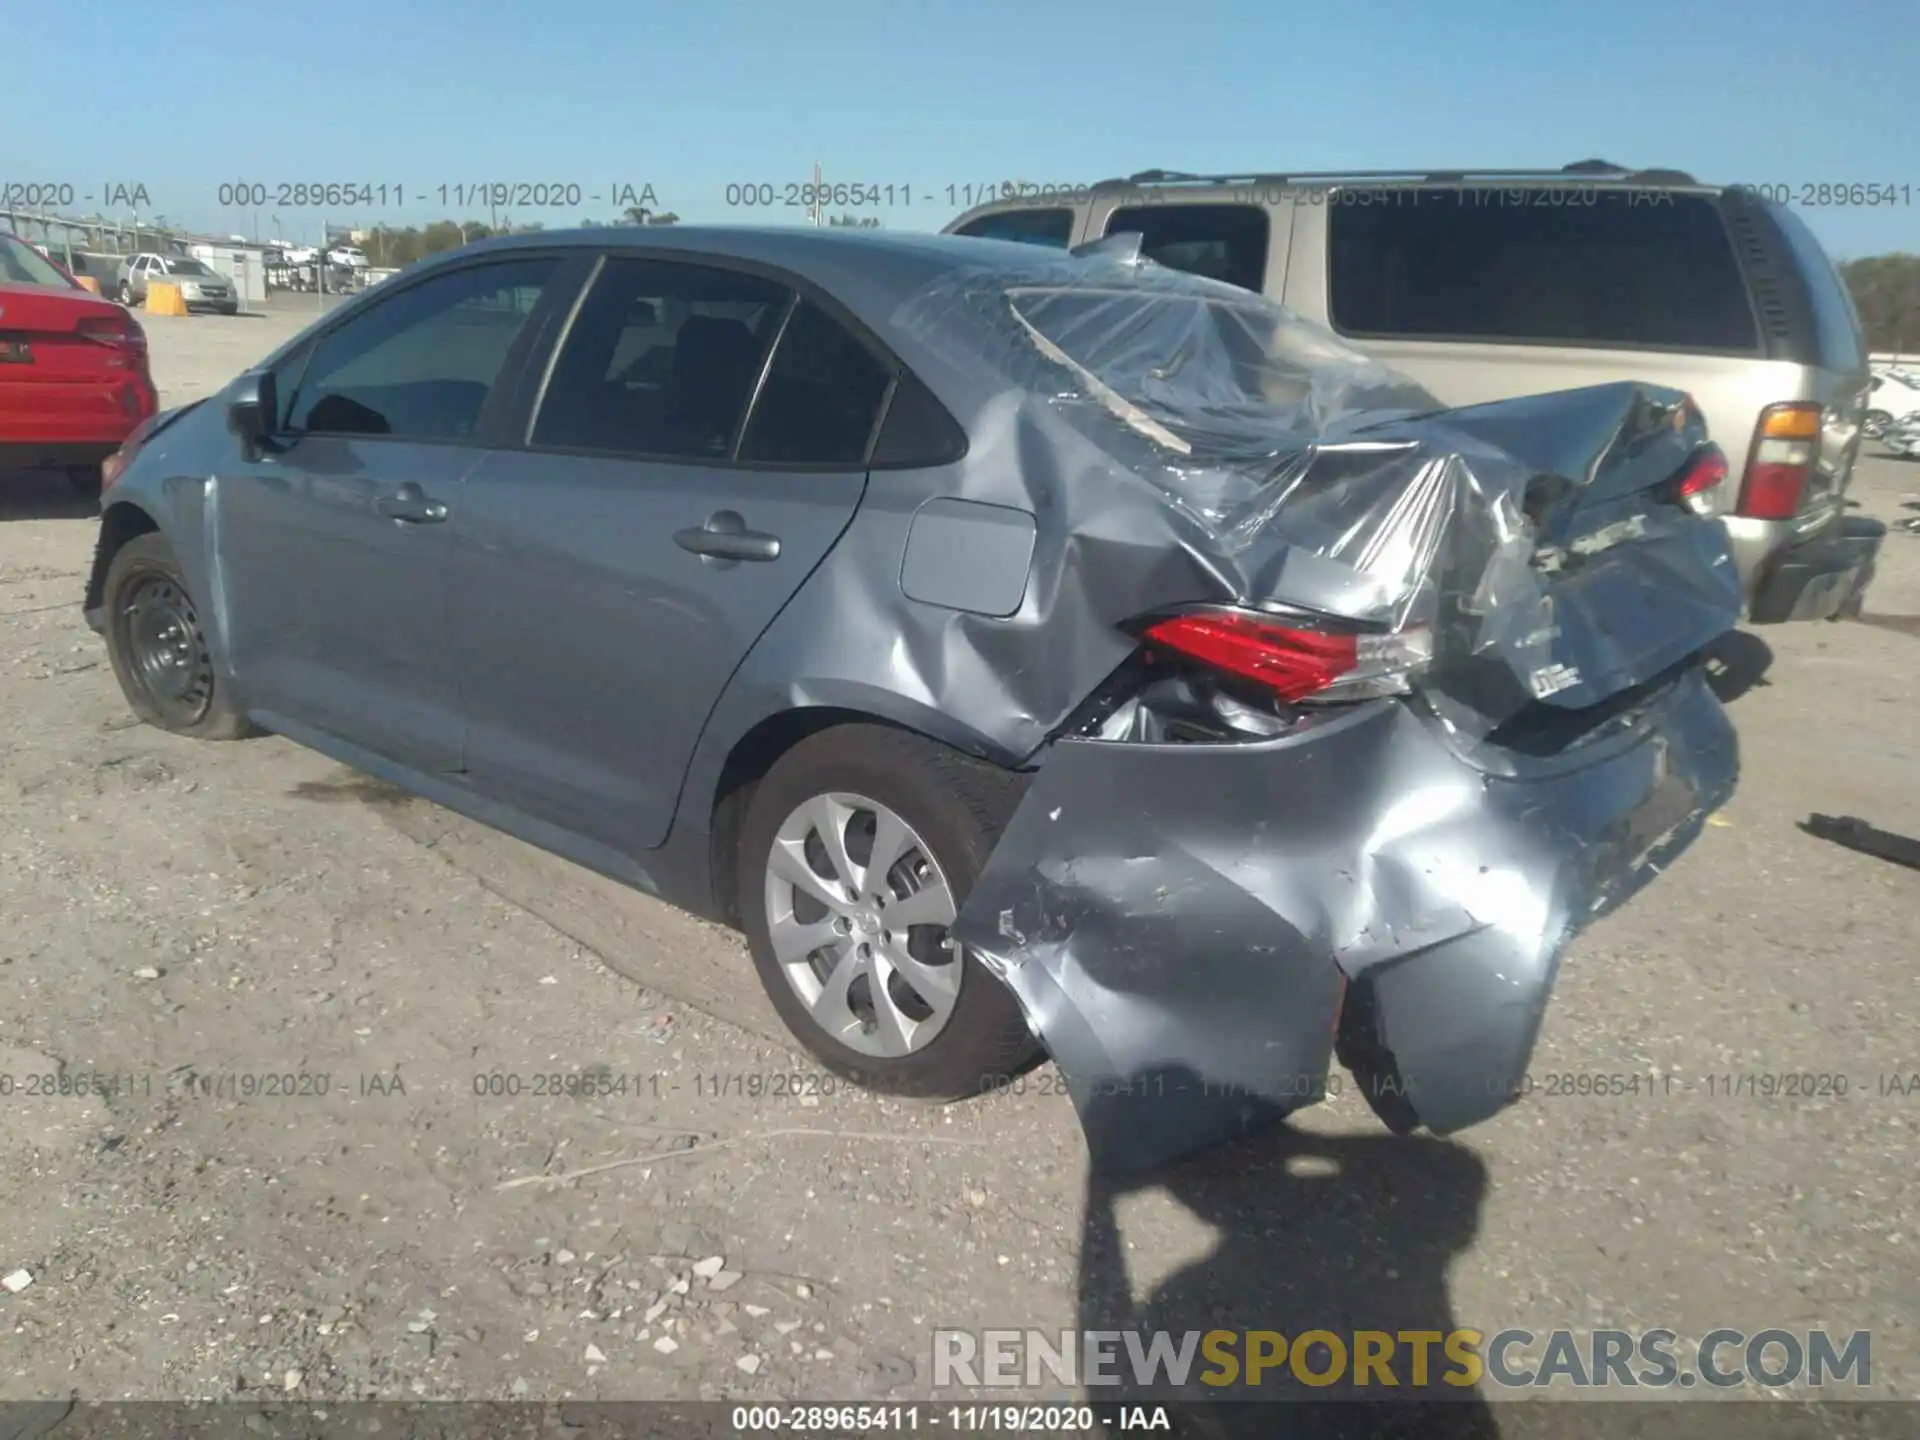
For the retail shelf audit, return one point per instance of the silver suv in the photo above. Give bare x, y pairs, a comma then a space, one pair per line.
1485, 285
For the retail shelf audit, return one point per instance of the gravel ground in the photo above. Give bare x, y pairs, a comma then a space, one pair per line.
192, 921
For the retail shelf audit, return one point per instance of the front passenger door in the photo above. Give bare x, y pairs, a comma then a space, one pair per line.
334, 543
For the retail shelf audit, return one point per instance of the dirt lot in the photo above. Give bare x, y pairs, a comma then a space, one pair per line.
188, 920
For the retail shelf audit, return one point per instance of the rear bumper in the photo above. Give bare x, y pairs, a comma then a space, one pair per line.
1823, 576
57, 454
1188, 927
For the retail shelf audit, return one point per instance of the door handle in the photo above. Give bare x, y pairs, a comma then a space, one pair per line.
410, 507
725, 537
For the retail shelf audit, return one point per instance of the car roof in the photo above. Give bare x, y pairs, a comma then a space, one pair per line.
869, 271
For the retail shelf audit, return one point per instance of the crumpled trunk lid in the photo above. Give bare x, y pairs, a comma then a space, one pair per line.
1541, 540
1192, 920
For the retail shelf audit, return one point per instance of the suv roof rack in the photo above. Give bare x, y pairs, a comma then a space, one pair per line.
1596, 169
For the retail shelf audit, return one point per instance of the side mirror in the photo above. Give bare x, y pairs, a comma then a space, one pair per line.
252, 408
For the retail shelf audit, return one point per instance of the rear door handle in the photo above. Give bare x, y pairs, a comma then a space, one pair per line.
725, 537
411, 507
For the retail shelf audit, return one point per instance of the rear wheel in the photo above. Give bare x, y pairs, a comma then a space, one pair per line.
858, 850
125, 293
159, 650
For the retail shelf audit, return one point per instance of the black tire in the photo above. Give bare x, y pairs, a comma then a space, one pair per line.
1874, 423
959, 806
146, 597
125, 294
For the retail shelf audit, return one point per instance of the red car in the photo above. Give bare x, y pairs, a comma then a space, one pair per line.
73, 370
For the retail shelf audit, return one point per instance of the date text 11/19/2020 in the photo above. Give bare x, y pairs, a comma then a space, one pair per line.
392, 194
858, 195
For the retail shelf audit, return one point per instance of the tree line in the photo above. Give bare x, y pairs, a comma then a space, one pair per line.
395, 246
1886, 292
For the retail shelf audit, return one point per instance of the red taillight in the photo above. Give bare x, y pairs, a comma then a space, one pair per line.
118, 331
1293, 662
1698, 485
1785, 445
1708, 469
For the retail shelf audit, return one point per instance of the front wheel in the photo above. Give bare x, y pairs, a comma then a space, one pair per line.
858, 850
158, 649
1874, 423
125, 293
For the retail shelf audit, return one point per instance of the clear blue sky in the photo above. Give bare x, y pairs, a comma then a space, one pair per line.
689, 97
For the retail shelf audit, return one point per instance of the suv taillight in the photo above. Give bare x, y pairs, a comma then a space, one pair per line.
1785, 445
1299, 662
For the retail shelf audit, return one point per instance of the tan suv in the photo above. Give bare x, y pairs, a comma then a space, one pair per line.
1483, 285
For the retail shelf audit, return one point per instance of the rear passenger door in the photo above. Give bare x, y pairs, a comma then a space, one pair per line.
700, 443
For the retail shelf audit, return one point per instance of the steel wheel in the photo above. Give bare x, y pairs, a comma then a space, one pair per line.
166, 651
857, 913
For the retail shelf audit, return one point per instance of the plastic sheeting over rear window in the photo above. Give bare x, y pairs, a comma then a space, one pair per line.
1537, 538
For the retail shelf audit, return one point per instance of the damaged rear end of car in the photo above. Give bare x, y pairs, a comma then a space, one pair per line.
1409, 697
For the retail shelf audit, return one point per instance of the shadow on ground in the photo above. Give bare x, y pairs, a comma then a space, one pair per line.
43, 495
350, 788
1332, 1233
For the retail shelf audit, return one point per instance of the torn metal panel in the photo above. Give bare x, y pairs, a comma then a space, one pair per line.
1179, 920
1539, 539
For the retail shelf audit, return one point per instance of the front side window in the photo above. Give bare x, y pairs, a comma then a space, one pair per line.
662, 360
1052, 228
1221, 242
420, 365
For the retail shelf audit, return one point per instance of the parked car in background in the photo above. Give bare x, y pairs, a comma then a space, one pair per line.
1487, 285
1023, 645
201, 286
347, 257
1895, 395
74, 381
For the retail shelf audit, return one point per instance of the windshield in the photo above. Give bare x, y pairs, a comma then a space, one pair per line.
21, 264
187, 267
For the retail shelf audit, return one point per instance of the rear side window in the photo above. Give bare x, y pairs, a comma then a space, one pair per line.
1029, 227
662, 361
1556, 266
821, 397
1836, 324
1221, 242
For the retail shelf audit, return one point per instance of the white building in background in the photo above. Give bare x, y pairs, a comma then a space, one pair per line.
242, 262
